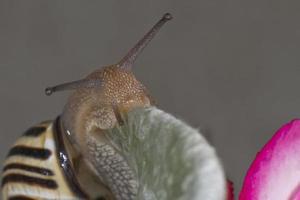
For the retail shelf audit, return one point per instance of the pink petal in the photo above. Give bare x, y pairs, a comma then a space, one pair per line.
275, 172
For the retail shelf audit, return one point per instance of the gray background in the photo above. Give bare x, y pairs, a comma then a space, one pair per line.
230, 67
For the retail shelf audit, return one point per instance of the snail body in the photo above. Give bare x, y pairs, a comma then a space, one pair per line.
70, 157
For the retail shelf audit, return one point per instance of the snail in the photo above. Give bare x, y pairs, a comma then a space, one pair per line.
69, 158
112, 143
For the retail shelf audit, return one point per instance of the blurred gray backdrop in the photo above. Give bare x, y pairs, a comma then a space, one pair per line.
230, 67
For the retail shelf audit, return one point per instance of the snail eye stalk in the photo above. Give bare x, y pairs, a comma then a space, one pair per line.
128, 60
84, 83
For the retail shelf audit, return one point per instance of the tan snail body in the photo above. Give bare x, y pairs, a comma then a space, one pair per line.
70, 158
98, 108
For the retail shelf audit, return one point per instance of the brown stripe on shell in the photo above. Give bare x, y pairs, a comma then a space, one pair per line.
20, 197
33, 152
34, 169
30, 180
35, 131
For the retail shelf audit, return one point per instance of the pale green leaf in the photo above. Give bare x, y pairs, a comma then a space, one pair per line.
172, 161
